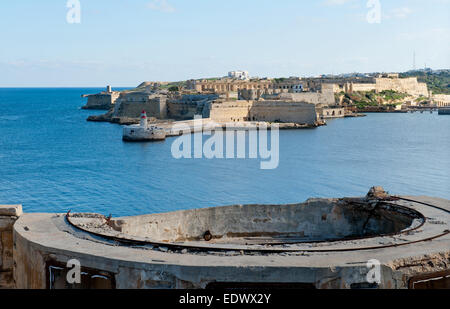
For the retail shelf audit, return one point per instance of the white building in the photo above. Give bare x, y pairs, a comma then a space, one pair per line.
243, 75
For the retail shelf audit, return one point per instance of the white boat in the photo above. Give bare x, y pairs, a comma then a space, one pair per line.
143, 132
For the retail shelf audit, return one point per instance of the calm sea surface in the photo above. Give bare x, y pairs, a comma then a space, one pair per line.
53, 160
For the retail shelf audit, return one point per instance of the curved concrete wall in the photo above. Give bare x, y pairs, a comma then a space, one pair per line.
44, 243
314, 220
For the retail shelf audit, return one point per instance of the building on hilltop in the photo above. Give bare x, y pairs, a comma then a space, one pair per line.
242, 75
223, 85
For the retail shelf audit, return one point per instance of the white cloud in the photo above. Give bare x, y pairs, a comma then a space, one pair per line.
161, 5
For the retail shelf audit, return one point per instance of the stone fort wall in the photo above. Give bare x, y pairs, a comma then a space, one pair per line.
133, 105
295, 112
363, 87
270, 111
182, 110
324, 98
406, 85
101, 100
231, 111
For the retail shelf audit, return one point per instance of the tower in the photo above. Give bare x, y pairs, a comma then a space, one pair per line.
144, 123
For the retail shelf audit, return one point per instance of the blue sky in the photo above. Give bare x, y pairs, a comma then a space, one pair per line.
123, 43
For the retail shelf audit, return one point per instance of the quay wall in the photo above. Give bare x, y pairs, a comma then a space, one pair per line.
269, 111
333, 112
274, 111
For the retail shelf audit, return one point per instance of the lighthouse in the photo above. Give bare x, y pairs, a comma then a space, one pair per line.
144, 123
143, 132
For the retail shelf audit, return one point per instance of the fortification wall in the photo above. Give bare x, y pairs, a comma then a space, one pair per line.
230, 111
187, 106
102, 101
281, 111
324, 98
181, 110
405, 85
363, 87
199, 97
270, 111
155, 107
8, 216
423, 89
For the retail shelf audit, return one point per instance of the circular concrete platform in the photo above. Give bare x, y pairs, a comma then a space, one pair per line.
316, 225
324, 243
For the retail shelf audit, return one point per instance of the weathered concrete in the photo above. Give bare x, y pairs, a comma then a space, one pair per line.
416, 240
8, 216
315, 220
11, 210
